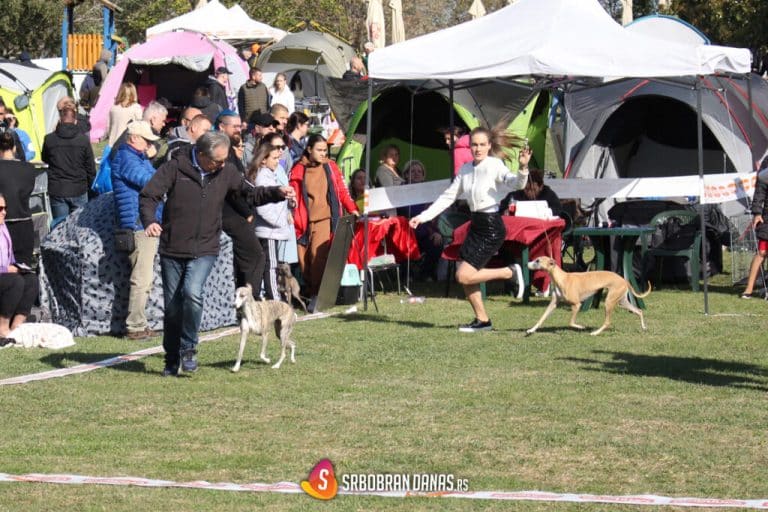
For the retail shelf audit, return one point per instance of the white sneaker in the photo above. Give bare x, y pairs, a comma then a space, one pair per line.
518, 278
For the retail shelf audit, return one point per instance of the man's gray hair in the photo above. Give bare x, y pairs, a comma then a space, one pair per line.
155, 109
209, 141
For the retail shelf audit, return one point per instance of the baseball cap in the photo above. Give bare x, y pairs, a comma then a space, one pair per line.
142, 129
222, 70
264, 120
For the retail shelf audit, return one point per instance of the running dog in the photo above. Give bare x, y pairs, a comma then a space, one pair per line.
574, 287
256, 316
288, 285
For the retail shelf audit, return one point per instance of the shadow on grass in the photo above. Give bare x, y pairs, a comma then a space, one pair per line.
372, 316
696, 370
64, 360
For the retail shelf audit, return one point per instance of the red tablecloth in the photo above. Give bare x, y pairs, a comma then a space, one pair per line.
399, 236
542, 237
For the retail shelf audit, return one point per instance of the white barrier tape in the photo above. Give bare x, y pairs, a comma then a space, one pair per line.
133, 356
292, 488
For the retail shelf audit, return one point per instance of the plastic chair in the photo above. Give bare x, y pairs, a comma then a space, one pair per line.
692, 252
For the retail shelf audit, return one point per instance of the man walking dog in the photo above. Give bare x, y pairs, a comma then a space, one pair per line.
195, 183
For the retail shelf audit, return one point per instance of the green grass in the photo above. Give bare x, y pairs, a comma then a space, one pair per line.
678, 410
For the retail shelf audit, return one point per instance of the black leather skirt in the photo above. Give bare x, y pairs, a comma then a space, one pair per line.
485, 238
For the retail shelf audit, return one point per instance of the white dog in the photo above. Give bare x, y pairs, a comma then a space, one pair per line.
256, 316
42, 335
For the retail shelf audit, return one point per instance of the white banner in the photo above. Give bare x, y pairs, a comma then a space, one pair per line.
718, 188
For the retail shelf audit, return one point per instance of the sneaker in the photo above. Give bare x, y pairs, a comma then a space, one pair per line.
170, 371
189, 362
746, 295
517, 277
7, 341
476, 326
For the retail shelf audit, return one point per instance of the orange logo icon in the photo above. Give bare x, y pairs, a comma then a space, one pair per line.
322, 483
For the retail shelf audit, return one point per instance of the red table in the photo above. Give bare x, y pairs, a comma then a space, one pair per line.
526, 236
399, 237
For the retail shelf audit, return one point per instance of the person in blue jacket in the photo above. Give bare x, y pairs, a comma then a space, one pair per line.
131, 170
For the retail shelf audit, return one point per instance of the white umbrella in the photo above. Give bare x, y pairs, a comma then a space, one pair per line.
398, 27
374, 23
477, 9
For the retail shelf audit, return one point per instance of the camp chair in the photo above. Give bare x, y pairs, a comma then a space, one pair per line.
692, 250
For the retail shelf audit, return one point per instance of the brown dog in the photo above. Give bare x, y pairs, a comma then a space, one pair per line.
574, 287
257, 316
288, 285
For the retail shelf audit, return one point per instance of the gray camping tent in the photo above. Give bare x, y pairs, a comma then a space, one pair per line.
647, 127
305, 55
84, 282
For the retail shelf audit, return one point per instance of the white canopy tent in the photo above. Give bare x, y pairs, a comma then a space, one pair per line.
550, 38
215, 20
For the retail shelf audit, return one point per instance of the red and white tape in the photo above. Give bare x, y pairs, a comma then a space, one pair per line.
133, 356
292, 488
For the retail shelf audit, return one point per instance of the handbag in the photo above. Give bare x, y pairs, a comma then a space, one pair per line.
124, 241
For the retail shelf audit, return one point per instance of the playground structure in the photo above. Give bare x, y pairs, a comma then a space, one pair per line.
80, 51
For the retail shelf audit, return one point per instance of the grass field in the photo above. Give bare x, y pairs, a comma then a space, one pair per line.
679, 410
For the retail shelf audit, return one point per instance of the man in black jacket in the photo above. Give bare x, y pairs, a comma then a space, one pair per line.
71, 168
217, 87
196, 182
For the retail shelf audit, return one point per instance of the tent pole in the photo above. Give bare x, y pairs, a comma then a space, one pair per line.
700, 139
755, 165
451, 125
368, 129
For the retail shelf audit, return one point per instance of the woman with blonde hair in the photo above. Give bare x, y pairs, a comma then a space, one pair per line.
125, 110
483, 183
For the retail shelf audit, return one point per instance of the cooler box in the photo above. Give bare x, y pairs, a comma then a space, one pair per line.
349, 291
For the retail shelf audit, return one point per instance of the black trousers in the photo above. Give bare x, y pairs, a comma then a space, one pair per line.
248, 255
18, 293
270, 268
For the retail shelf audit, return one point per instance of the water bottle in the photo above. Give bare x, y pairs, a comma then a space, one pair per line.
413, 299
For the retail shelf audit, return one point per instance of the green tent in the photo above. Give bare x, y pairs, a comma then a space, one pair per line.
410, 116
32, 93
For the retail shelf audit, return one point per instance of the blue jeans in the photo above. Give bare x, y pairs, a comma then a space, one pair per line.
183, 281
61, 207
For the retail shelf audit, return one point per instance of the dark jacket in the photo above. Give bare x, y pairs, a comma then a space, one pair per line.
252, 97
131, 171
69, 156
207, 107
218, 93
192, 213
760, 207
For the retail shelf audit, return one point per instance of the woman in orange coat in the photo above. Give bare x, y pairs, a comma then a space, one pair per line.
321, 198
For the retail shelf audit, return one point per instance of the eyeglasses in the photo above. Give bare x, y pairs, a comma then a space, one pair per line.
280, 147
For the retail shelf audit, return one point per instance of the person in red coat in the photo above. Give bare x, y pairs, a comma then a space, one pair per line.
321, 198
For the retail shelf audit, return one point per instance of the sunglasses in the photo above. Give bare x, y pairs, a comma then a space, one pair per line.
3, 208
281, 147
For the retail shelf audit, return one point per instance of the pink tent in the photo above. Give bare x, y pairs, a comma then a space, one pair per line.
181, 59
